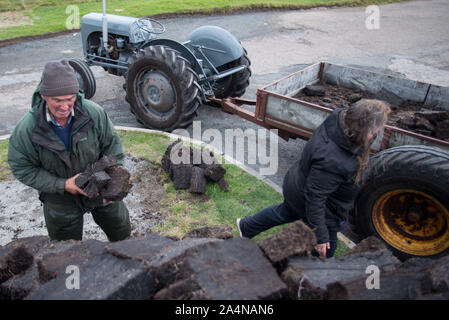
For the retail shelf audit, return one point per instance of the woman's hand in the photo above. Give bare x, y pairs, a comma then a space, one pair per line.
322, 247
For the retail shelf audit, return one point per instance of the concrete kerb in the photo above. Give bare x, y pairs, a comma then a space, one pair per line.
228, 159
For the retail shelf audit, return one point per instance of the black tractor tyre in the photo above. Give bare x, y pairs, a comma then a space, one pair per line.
234, 85
404, 201
85, 77
162, 89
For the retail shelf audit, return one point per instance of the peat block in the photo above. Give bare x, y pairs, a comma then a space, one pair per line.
217, 231
104, 163
104, 178
53, 265
308, 277
17, 256
187, 289
402, 283
433, 115
369, 244
224, 185
142, 248
101, 178
166, 162
16, 261
295, 239
102, 275
119, 185
197, 181
230, 269
417, 278
389, 96
314, 90
190, 168
214, 172
83, 179
436, 277
167, 264
20, 285
442, 131
393, 286
181, 175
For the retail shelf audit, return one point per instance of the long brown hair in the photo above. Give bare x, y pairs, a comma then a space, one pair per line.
361, 119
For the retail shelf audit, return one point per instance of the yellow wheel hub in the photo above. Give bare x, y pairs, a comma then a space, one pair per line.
412, 222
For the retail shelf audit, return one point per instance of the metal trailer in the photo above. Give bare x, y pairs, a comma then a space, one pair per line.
404, 198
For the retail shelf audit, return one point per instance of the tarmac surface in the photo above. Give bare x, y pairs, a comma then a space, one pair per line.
410, 40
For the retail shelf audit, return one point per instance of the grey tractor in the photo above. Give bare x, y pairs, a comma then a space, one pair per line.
165, 80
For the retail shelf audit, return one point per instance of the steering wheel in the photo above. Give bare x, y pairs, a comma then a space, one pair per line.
150, 25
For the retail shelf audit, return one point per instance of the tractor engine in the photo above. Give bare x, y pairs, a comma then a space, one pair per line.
125, 36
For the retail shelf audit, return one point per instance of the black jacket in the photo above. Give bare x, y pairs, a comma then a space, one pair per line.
320, 185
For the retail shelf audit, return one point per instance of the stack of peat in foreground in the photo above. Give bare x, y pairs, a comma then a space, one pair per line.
188, 170
217, 267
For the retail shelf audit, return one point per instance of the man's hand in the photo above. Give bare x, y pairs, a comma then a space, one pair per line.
107, 202
72, 188
321, 248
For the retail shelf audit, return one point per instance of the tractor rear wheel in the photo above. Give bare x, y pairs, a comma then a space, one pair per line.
162, 89
85, 77
234, 85
405, 201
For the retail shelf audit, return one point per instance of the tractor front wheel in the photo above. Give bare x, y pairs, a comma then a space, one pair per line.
405, 201
85, 77
162, 88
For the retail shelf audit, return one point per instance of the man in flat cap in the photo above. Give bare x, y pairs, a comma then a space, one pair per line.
55, 141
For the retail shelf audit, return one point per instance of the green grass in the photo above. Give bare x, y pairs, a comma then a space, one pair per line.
5, 171
150, 146
50, 16
186, 211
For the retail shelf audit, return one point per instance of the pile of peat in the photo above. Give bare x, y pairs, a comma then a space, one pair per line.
213, 267
412, 116
188, 169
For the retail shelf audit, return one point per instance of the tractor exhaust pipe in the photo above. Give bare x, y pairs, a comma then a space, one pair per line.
105, 28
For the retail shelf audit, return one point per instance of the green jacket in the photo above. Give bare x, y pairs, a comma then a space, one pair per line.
39, 159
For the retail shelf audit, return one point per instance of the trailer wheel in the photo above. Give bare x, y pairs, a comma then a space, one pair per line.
85, 77
235, 85
405, 201
162, 89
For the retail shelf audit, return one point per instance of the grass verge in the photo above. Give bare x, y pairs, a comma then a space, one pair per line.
247, 195
5, 171
50, 16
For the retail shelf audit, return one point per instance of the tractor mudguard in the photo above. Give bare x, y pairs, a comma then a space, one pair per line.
185, 52
217, 44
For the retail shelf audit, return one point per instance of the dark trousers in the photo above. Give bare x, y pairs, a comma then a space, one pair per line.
276, 215
67, 223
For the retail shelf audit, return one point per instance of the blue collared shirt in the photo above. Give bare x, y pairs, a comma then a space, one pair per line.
62, 132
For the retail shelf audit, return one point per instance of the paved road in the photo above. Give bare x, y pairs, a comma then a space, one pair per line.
412, 40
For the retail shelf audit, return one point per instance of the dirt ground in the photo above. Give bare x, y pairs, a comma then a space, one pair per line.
403, 115
13, 18
22, 216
